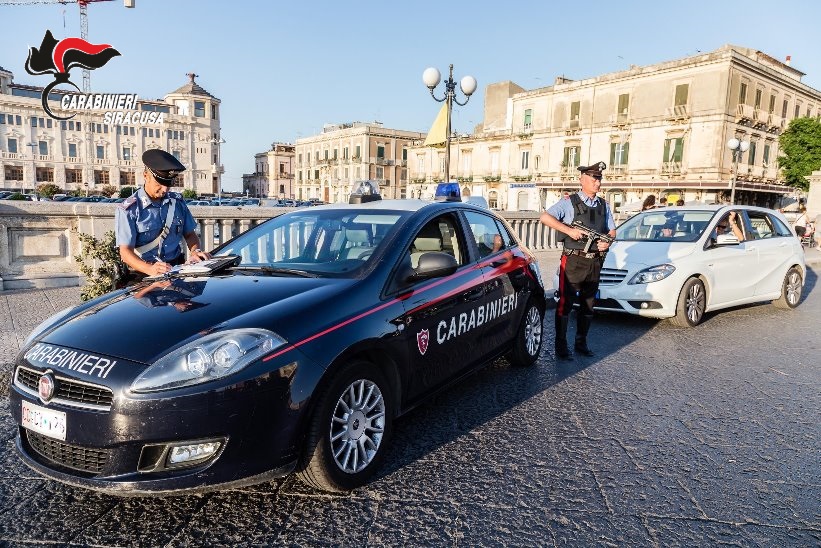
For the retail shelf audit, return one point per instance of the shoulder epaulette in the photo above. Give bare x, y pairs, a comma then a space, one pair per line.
128, 202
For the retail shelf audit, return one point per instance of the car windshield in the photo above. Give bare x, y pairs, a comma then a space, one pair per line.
331, 242
668, 225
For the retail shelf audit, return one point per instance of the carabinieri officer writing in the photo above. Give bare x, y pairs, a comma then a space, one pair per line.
579, 271
153, 224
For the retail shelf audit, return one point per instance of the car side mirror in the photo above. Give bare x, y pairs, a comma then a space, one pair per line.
433, 264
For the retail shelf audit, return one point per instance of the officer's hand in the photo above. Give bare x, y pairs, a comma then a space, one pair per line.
159, 268
575, 233
603, 245
197, 256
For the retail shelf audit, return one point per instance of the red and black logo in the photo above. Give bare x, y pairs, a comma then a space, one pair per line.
58, 58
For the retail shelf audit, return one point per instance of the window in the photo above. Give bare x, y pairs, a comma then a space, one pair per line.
528, 118
3, 119
358, 153
751, 154
487, 234
74, 176
682, 91
45, 174
326, 153
537, 161
467, 161
420, 164
797, 110
345, 153
493, 200
72, 150
100, 177
784, 109
14, 173
809, 110
380, 151
771, 109
525, 159
176, 154
199, 109
12, 146
214, 114
624, 103
405, 154
100, 152
742, 94
43, 147
33, 121
575, 107
766, 156
380, 172
619, 153
758, 94
494, 162
673, 149
334, 156
126, 153
440, 234
127, 178
571, 155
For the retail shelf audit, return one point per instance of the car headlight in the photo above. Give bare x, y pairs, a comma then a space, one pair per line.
652, 274
47, 324
211, 357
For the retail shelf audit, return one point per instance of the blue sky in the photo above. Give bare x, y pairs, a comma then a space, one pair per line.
283, 69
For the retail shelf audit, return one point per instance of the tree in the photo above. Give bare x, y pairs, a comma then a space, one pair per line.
800, 146
127, 191
109, 190
48, 190
189, 193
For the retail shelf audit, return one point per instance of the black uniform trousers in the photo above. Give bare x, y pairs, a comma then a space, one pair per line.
578, 279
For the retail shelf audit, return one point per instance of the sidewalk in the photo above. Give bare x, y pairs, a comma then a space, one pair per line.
22, 310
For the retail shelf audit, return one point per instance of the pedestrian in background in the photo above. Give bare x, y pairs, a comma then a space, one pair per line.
579, 271
154, 226
649, 202
800, 223
662, 202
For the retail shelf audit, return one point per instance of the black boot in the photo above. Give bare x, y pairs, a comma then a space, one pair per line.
582, 327
561, 338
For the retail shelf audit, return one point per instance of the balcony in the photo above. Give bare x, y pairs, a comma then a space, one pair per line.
100, 161
11, 155
671, 168
616, 172
217, 169
761, 118
620, 119
678, 113
45, 158
744, 113
572, 127
380, 161
73, 160
128, 162
402, 163
775, 123
569, 172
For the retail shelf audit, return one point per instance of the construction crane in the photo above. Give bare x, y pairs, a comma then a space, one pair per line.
83, 22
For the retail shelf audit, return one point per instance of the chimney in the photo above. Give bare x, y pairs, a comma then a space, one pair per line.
787, 62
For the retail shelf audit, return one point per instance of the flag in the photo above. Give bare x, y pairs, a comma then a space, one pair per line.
437, 136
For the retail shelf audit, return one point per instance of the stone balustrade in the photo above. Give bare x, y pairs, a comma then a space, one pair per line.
38, 240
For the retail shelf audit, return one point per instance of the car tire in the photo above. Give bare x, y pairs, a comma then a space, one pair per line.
790, 290
692, 302
529, 336
349, 430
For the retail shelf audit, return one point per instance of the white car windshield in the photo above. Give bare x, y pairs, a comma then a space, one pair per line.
668, 225
331, 242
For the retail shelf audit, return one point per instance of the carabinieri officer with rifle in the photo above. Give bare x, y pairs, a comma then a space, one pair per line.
581, 259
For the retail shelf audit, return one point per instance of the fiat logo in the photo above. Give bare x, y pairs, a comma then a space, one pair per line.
45, 387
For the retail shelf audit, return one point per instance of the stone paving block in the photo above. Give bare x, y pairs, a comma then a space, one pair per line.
423, 523
233, 518
141, 521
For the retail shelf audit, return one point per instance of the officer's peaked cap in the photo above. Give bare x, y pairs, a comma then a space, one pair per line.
162, 165
594, 169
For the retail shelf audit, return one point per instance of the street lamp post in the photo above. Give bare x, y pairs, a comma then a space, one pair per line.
431, 77
738, 148
216, 167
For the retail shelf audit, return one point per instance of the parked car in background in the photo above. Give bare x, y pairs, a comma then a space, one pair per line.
673, 263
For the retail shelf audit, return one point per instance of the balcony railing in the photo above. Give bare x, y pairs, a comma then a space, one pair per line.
678, 112
73, 160
671, 168
620, 119
744, 113
11, 155
45, 158
615, 172
381, 161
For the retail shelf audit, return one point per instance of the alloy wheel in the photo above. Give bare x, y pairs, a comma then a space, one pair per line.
357, 426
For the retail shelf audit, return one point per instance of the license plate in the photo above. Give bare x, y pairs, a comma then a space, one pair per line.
48, 422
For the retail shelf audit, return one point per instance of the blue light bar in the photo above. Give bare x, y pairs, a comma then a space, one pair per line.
448, 192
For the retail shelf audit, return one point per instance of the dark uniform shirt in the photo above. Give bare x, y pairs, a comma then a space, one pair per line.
139, 220
563, 210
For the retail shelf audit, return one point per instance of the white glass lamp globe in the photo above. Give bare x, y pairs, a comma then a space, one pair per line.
732, 144
468, 85
431, 77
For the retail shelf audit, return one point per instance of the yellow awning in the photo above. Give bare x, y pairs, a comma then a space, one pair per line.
438, 134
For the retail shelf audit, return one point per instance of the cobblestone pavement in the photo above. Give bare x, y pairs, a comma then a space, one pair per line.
701, 436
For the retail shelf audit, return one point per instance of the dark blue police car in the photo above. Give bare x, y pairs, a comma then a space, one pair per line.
324, 325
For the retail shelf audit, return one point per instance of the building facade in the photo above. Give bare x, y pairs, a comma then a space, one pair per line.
329, 165
273, 175
661, 129
90, 151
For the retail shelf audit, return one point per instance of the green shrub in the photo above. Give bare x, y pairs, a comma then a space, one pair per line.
110, 268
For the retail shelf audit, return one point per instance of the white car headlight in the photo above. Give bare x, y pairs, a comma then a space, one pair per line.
211, 357
652, 274
46, 324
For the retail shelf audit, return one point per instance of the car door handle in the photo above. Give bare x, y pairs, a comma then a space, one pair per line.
475, 294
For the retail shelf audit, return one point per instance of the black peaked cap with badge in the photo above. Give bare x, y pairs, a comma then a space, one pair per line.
162, 165
594, 170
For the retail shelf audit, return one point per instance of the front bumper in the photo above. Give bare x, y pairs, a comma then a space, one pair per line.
654, 300
110, 451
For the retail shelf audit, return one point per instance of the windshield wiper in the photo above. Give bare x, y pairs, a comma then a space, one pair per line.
276, 270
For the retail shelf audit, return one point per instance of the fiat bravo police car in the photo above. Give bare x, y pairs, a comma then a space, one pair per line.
294, 350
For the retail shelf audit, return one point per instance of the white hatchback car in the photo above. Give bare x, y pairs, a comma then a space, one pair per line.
676, 263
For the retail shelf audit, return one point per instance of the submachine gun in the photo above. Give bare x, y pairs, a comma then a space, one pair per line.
591, 236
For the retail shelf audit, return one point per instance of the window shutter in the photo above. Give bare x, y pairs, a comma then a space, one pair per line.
666, 156
625, 153
613, 154
681, 94
679, 151
624, 103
